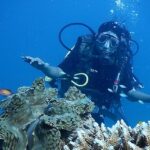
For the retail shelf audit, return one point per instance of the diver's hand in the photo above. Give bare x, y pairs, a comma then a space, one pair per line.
50, 71
35, 62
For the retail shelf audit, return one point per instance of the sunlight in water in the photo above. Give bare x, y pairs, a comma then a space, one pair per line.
125, 9
119, 4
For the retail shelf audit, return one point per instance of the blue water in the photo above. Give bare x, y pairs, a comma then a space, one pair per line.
30, 27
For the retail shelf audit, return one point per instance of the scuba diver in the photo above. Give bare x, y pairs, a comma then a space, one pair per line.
100, 65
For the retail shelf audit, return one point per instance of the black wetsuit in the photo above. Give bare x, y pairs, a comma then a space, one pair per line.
101, 77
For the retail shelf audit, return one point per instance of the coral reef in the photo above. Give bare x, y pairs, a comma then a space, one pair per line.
91, 136
35, 118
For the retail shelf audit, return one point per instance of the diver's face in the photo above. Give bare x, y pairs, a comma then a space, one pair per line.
107, 44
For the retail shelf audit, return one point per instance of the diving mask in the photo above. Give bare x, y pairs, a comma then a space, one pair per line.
107, 44
113, 40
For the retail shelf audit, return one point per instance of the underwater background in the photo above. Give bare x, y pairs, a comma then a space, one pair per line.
31, 27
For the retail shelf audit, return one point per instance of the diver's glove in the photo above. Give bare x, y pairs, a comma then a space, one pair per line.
50, 71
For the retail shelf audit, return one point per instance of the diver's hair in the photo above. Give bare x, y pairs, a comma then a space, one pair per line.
118, 28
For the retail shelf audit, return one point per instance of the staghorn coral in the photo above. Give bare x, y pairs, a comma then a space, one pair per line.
35, 118
91, 136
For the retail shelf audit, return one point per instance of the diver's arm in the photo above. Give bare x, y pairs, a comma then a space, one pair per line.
50, 71
134, 95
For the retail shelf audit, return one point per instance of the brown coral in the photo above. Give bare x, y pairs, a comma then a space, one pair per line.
36, 117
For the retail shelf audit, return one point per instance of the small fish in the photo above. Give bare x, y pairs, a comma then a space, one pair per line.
76, 78
48, 79
110, 90
122, 86
123, 94
140, 101
141, 86
5, 92
94, 70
